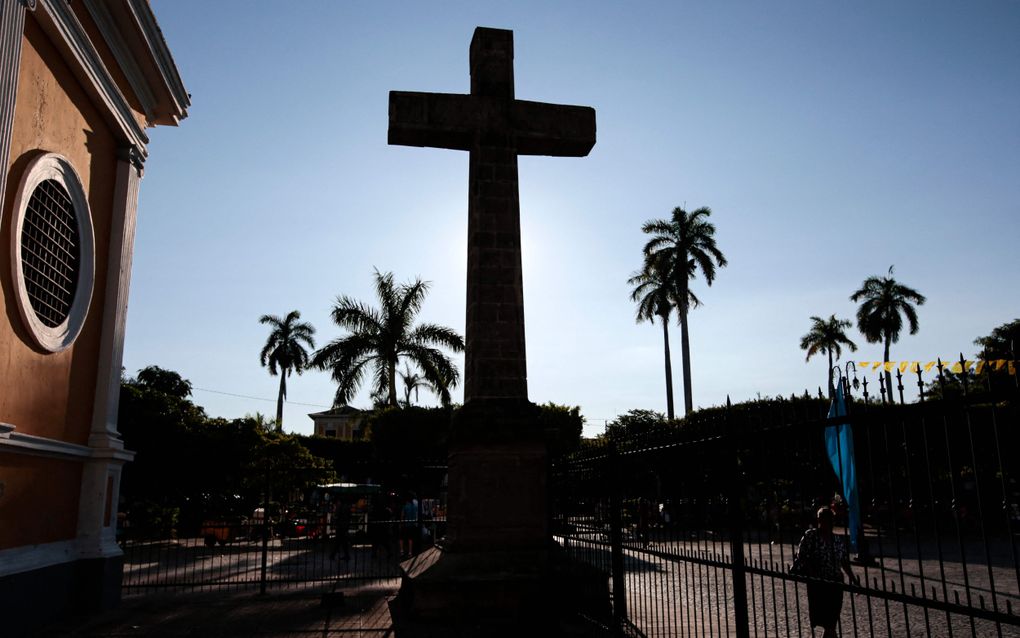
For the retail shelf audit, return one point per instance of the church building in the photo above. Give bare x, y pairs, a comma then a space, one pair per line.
80, 82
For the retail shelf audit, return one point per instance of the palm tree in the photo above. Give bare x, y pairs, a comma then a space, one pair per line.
682, 245
880, 316
656, 298
827, 336
412, 381
285, 352
380, 338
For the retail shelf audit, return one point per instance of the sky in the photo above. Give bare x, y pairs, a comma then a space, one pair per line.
831, 141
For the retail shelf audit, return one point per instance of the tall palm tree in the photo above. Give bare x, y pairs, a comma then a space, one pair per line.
827, 336
682, 245
656, 297
380, 338
885, 302
285, 351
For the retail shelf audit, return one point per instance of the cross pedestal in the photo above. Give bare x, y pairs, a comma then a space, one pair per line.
494, 559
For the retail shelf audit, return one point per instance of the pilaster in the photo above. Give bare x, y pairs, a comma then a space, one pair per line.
118, 282
97, 510
12, 28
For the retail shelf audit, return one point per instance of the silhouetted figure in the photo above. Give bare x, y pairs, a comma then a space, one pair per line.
644, 515
342, 524
380, 527
408, 526
824, 556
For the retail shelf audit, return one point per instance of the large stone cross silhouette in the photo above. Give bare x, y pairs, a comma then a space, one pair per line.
496, 128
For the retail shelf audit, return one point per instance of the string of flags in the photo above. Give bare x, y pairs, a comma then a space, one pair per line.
913, 366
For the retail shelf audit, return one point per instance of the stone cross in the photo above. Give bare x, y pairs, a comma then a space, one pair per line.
495, 128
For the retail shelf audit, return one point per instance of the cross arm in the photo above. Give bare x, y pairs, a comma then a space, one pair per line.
441, 120
553, 129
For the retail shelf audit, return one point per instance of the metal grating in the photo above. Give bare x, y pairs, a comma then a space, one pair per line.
50, 252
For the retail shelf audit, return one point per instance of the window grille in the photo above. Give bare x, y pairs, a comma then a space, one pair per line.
50, 252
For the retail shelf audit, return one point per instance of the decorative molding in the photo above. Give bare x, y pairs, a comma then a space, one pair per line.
29, 444
147, 24
122, 53
42, 446
58, 19
51, 166
12, 28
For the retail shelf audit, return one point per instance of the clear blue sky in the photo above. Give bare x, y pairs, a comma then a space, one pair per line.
831, 140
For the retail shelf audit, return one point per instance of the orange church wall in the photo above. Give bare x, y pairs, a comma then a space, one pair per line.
52, 394
40, 500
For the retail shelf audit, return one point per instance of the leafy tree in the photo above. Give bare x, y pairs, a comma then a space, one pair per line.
884, 303
635, 423
680, 246
261, 421
166, 381
563, 426
1000, 345
189, 467
1003, 343
380, 338
827, 336
285, 351
656, 297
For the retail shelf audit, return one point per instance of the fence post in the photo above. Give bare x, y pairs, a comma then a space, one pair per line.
616, 538
265, 534
736, 512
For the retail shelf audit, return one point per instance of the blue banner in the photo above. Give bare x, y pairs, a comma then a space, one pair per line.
839, 443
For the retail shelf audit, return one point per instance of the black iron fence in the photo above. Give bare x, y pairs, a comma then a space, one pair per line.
269, 554
699, 524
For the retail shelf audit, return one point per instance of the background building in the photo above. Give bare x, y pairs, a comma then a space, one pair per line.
80, 82
344, 423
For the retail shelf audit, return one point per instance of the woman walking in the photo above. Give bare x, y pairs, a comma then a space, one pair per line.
824, 556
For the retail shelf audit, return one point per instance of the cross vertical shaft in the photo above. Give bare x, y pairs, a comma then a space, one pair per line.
495, 128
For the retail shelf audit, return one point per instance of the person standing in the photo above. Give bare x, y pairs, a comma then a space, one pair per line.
408, 526
824, 556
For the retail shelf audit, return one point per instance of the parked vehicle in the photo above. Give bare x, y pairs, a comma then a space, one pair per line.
223, 530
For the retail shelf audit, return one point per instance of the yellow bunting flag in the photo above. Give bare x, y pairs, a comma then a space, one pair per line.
999, 363
903, 366
980, 367
1012, 368
876, 365
956, 368
928, 366
889, 366
863, 364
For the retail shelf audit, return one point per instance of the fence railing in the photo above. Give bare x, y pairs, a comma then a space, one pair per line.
288, 555
699, 526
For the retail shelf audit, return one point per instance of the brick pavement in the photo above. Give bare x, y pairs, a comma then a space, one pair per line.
364, 613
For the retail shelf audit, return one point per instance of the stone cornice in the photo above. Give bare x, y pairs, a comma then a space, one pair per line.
150, 30
63, 27
14, 442
122, 53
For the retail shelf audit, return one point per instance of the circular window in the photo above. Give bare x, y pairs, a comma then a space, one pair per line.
52, 252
